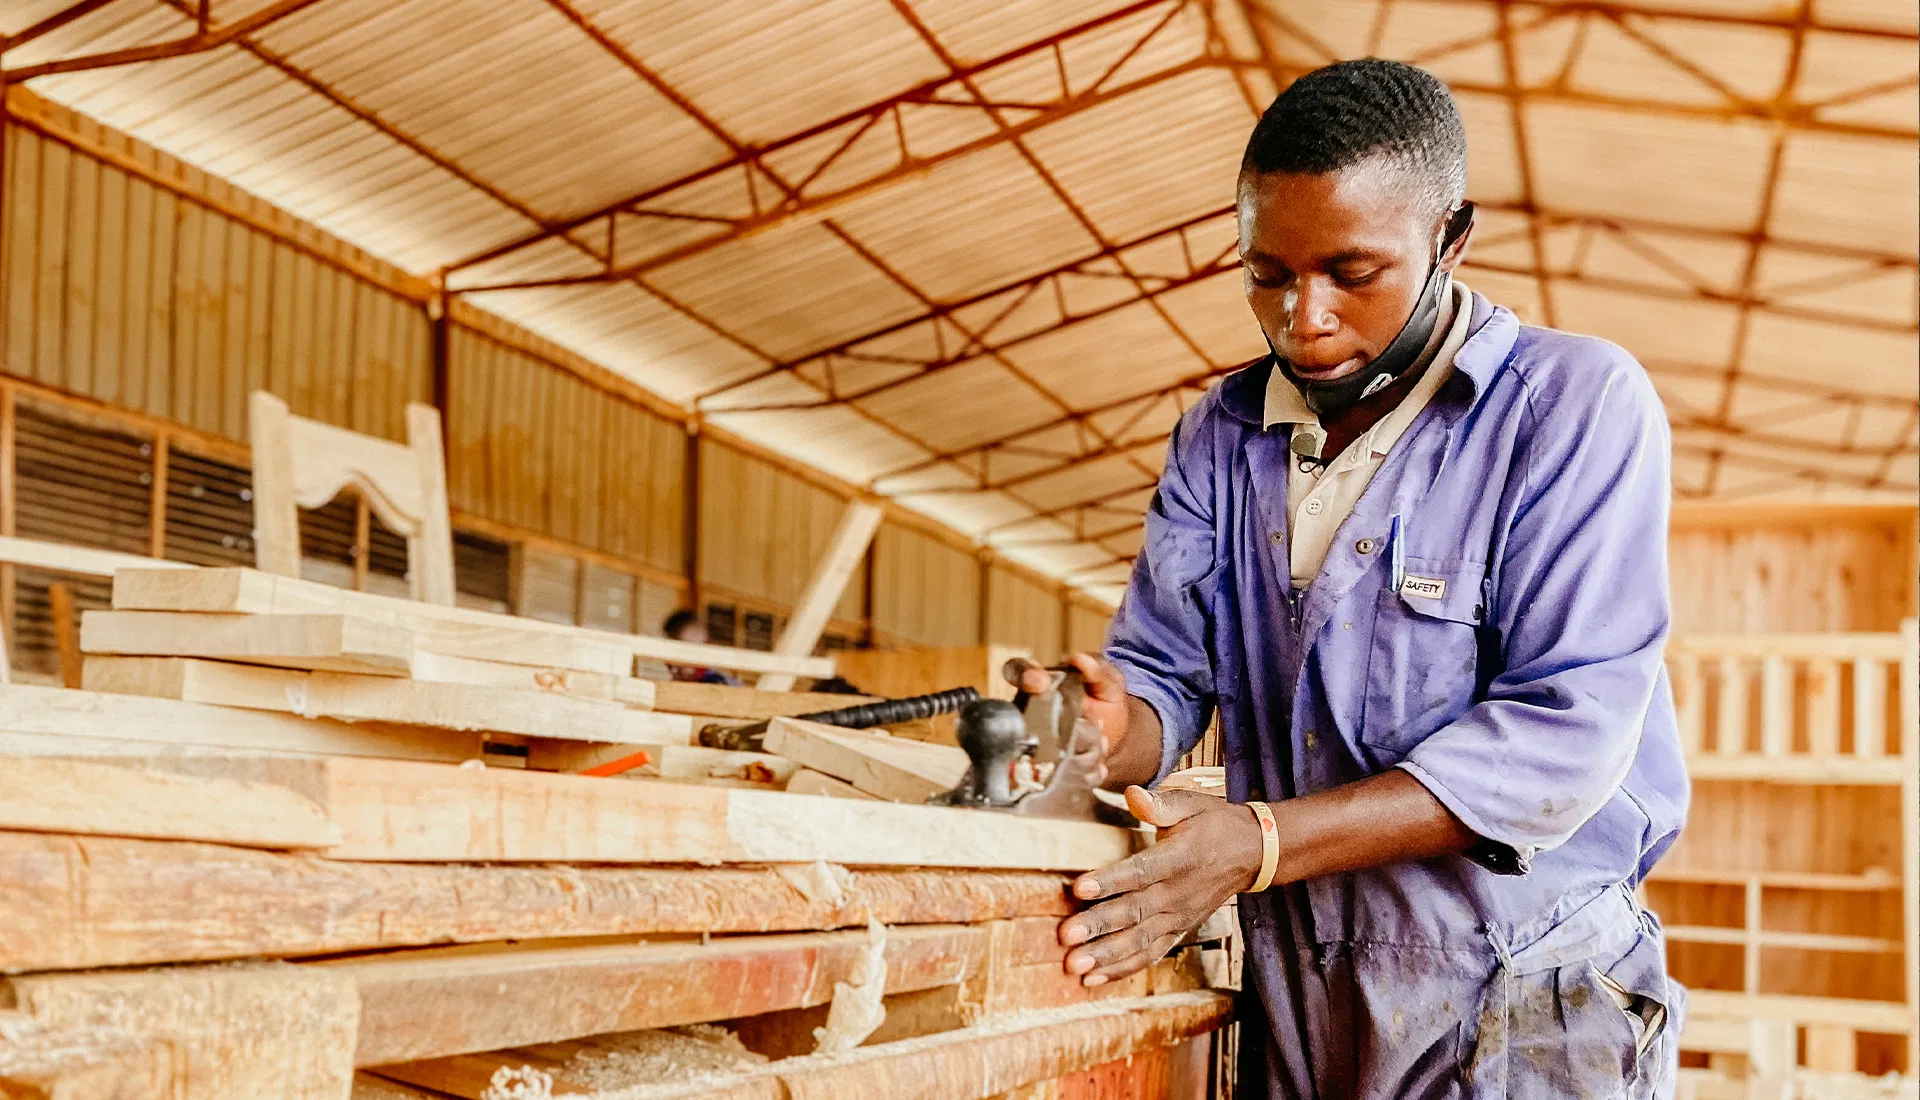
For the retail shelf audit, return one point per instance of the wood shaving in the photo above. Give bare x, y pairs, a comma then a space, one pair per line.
524, 1083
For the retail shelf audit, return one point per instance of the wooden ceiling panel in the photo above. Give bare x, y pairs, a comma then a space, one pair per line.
1593, 160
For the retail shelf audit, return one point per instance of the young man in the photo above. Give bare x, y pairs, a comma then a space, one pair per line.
684, 625
1417, 561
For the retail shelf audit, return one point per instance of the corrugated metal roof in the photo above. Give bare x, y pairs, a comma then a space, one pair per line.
990, 290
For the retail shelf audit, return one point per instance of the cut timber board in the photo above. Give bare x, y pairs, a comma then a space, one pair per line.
397, 810
747, 704
169, 725
845, 550
678, 761
100, 799
808, 781
228, 1032
330, 643
447, 669
375, 698
84, 561
896, 769
436, 1002
78, 904
996, 1058
249, 591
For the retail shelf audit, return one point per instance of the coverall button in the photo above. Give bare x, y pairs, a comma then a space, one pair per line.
1364, 546
1276, 537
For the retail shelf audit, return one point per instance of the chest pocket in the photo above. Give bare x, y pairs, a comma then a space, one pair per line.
1430, 658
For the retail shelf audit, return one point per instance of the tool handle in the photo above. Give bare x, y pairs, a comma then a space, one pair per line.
888, 711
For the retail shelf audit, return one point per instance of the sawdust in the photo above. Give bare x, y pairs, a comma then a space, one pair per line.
681, 1056
857, 1010
522, 1083
817, 881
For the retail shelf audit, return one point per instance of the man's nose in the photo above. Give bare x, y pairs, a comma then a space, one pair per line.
1309, 311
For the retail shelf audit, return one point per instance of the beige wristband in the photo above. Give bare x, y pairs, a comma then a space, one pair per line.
1269, 847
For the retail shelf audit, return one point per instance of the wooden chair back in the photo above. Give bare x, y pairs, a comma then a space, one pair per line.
300, 463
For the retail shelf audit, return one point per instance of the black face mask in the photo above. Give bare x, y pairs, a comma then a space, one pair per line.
1331, 400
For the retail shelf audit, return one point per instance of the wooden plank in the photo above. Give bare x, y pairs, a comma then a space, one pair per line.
448, 669
432, 1003
1823, 706
726, 701
355, 698
66, 633
170, 726
75, 1063
76, 904
845, 551
676, 762
332, 643
895, 769
80, 560
1883, 1016
399, 810
228, 1031
41, 794
251, 591
808, 781
1869, 707
276, 518
1796, 769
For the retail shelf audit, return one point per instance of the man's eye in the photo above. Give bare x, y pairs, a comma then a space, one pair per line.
1356, 278
1269, 278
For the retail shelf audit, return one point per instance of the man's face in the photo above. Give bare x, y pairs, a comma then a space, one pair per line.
695, 631
1333, 263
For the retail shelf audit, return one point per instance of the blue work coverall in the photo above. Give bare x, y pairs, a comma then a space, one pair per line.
1517, 674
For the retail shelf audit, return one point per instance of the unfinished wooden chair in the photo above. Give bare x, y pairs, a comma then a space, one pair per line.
300, 463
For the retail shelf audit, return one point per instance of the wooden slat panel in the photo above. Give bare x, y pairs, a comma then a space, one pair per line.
1022, 613
1689, 697
1823, 707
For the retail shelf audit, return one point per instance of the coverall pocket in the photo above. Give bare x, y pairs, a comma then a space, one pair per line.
1424, 664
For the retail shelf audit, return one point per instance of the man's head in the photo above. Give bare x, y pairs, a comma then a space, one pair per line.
1345, 195
685, 626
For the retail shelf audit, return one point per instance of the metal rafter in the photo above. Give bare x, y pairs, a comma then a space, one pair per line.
939, 92
203, 39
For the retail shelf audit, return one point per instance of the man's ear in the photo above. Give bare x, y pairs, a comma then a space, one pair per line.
1459, 231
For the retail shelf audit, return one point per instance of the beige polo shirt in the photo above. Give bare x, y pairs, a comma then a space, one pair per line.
1320, 498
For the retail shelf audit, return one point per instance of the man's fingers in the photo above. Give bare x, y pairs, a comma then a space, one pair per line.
1120, 953
1104, 681
1164, 808
1111, 916
1136, 872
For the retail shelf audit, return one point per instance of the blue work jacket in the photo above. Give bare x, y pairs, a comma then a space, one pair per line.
1516, 673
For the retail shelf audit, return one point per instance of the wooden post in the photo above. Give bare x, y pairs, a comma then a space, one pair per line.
1776, 705
1750, 946
845, 550
66, 632
1685, 668
1869, 707
362, 540
690, 517
1830, 1048
157, 500
8, 498
1910, 826
1731, 734
276, 518
430, 552
1823, 707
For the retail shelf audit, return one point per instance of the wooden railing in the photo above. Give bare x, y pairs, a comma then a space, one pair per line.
1828, 707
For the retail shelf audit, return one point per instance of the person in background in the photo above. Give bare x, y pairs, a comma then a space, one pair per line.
684, 625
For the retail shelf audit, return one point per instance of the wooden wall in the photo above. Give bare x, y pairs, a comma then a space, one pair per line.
762, 529
1023, 613
1771, 568
926, 591
142, 300
123, 290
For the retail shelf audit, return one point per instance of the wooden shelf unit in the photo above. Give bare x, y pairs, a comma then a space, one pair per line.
1794, 882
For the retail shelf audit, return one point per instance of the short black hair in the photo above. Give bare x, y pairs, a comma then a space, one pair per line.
678, 621
1355, 111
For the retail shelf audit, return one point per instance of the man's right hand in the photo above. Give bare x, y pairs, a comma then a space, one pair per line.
1128, 727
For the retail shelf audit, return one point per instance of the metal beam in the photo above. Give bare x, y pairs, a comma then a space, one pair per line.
205, 39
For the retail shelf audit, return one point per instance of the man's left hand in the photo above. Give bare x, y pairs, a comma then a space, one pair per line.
1207, 849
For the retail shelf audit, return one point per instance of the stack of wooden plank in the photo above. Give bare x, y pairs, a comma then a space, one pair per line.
273, 855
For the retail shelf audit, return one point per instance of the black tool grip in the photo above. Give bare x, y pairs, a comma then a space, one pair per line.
888, 711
